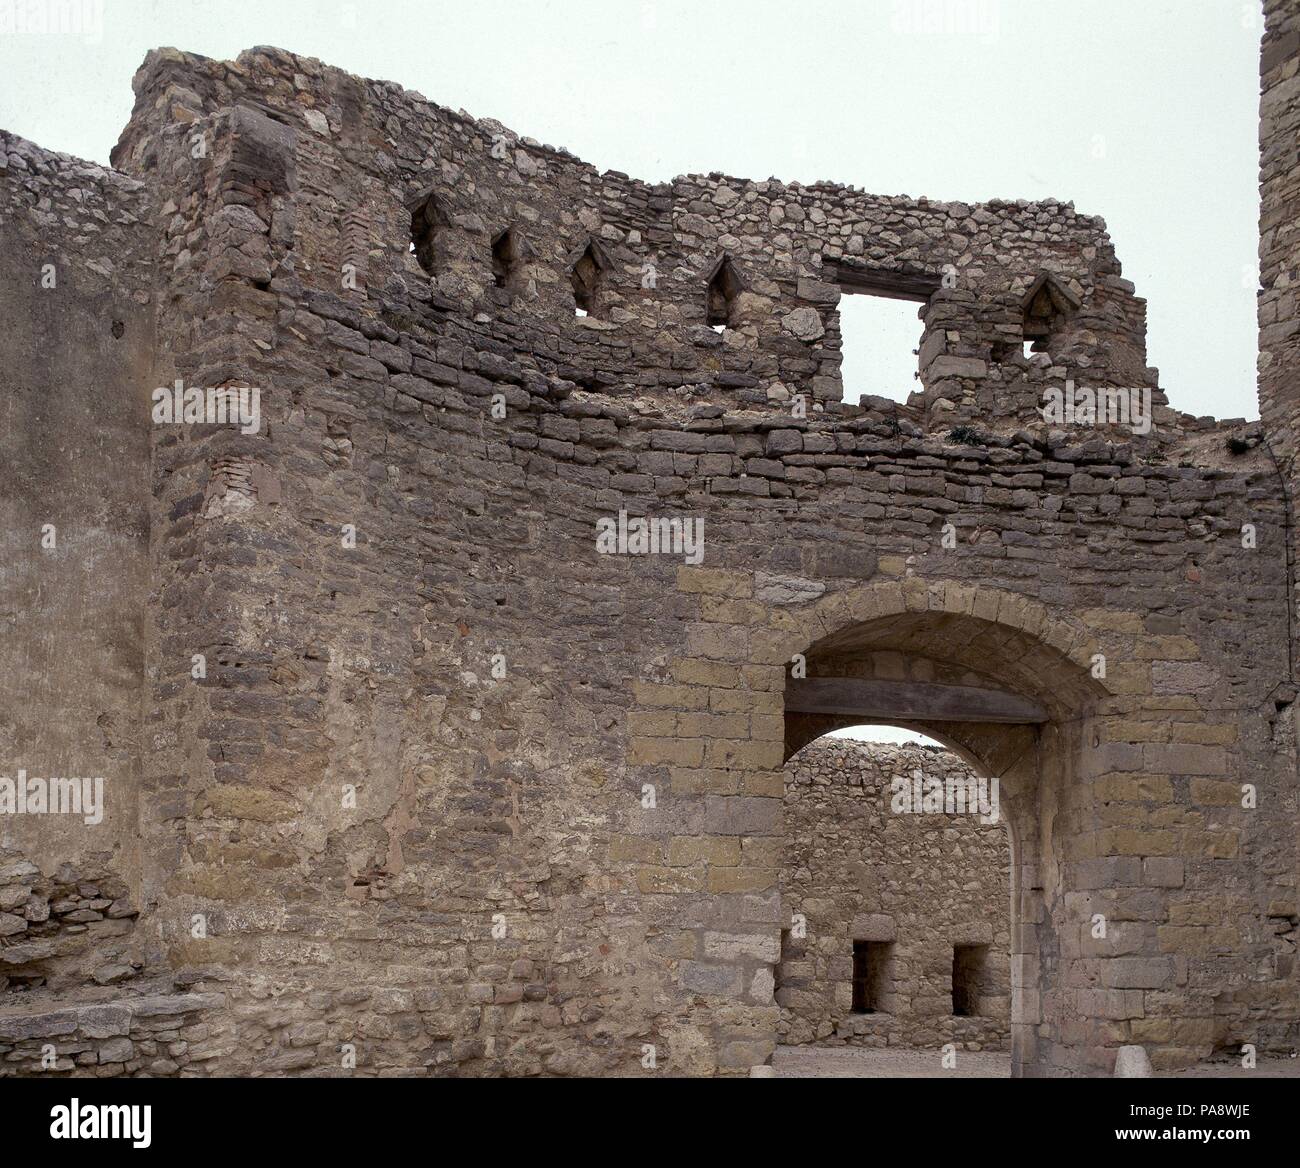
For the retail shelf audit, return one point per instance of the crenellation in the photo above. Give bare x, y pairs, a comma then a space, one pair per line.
663, 243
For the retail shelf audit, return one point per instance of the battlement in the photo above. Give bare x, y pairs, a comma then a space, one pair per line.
706, 289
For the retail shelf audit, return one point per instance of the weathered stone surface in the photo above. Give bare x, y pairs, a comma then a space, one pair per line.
773, 589
803, 323
381, 616
1131, 1062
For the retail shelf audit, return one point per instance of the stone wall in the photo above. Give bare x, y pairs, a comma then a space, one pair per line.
77, 249
1279, 243
379, 165
63, 931
459, 791
921, 883
157, 1035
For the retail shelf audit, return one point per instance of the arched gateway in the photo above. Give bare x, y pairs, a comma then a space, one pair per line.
1022, 693
1012, 702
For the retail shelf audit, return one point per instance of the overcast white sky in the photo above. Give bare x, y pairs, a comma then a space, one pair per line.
1142, 112
883, 734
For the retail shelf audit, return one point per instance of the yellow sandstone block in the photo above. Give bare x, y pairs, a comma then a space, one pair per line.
1113, 621
744, 879
699, 671
1216, 792
635, 849
666, 751
714, 582
764, 783
682, 697
723, 851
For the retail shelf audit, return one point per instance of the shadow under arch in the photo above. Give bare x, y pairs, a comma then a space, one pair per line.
953, 649
919, 649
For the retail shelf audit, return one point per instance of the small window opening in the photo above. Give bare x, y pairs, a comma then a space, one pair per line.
506, 255
586, 277
880, 339
1046, 306
968, 967
720, 299
870, 973
426, 221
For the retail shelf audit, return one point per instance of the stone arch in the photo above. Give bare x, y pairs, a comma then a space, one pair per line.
908, 638
1073, 996
947, 633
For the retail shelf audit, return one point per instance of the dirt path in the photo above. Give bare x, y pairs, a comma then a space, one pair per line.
856, 1062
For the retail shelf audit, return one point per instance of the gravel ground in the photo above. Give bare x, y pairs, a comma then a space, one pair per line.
862, 1062
859, 1062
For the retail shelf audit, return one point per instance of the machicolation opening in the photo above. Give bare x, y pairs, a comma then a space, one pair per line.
1047, 306
508, 251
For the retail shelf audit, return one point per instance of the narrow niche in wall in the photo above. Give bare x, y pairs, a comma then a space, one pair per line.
1047, 306
427, 220
720, 294
507, 257
587, 275
969, 963
872, 971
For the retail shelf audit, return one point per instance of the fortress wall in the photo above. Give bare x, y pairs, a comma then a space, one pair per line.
513, 803
1279, 244
76, 351
463, 795
1279, 248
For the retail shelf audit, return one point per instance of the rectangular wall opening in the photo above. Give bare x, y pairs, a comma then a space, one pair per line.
871, 973
969, 963
880, 337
